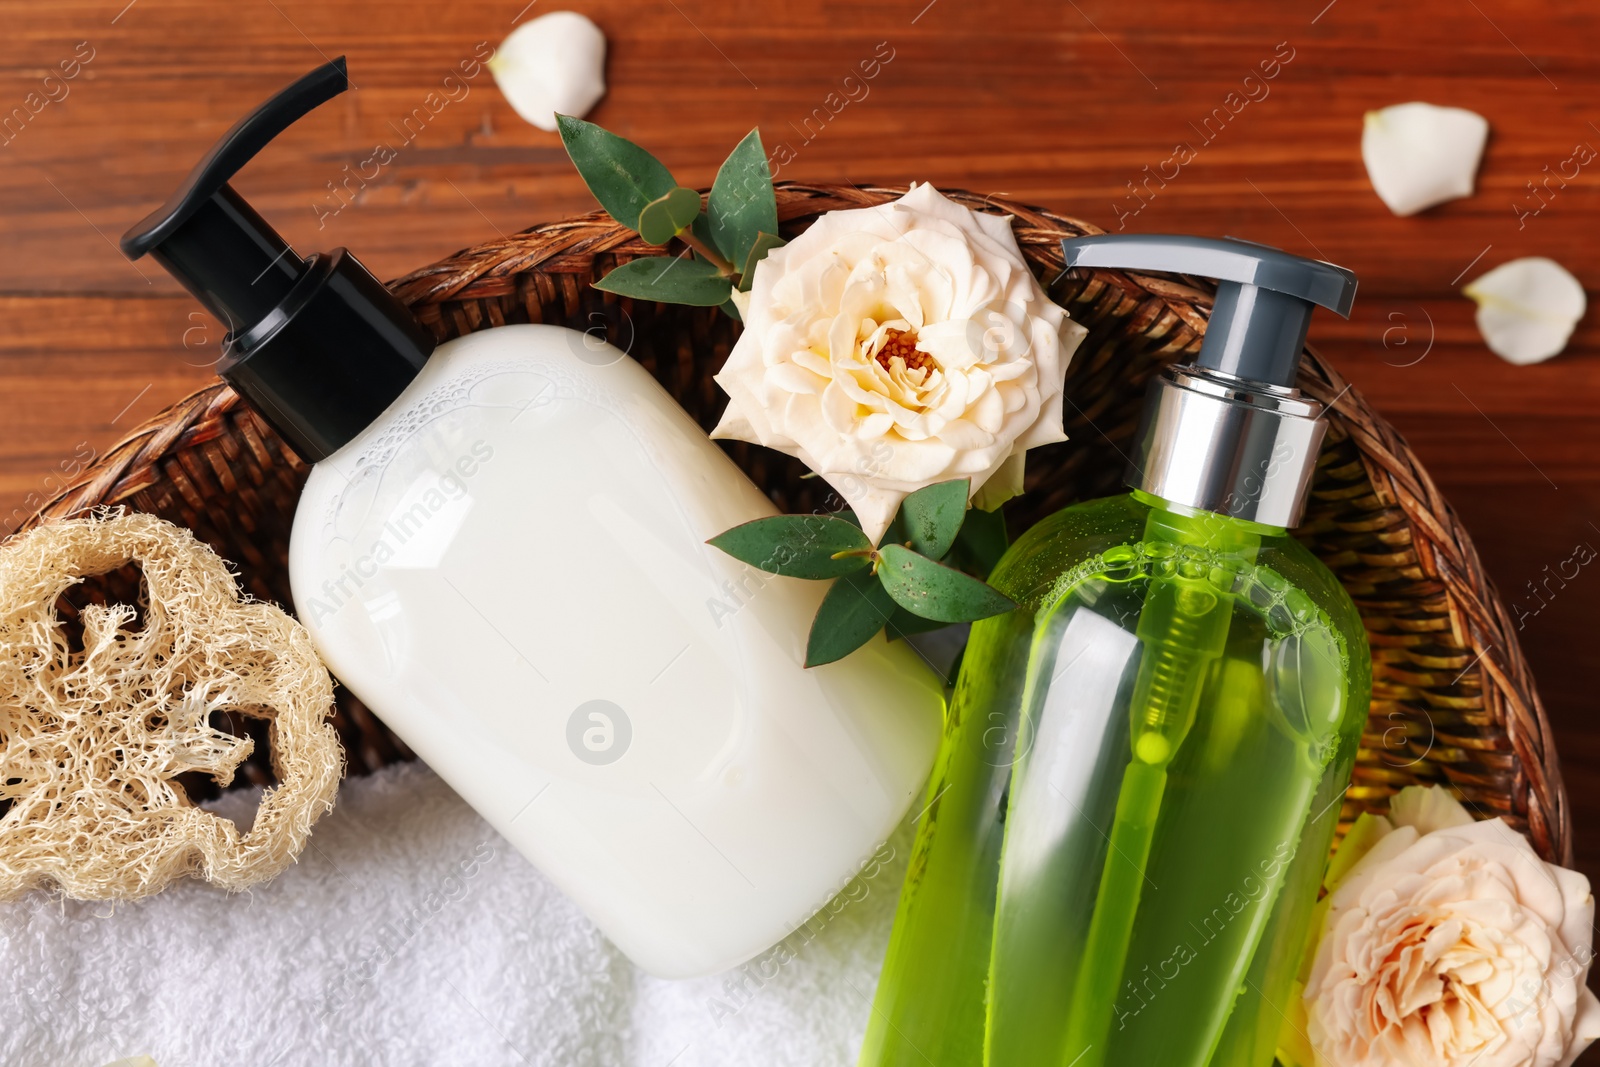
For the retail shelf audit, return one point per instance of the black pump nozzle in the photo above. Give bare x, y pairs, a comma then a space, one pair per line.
1264, 296
209, 238
318, 346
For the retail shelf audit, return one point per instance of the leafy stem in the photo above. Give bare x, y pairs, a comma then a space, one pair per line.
734, 232
925, 574
724, 268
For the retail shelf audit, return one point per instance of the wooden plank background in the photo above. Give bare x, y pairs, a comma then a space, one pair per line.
1062, 105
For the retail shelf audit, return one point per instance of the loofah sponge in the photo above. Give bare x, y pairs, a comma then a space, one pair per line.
93, 738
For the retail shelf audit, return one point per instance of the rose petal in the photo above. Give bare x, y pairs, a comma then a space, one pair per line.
746, 418
839, 409
1419, 155
965, 436
733, 426
1585, 1024
955, 344
1427, 808
791, 378
874, 507
989, 410
1527, 308
552, 64
804, 357
874, 426
1004, 483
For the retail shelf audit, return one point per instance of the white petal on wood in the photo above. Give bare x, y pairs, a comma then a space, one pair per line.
1419, 155
552, 64
1527, 308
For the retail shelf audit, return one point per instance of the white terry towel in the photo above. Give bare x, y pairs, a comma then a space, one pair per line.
410, 933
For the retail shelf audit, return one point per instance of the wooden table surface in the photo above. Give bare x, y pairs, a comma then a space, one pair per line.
1067, 106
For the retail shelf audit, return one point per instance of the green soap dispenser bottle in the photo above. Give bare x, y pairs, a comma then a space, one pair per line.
1142, 765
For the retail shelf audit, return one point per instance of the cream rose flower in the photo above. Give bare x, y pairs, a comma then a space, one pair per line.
1450, 942
892, 347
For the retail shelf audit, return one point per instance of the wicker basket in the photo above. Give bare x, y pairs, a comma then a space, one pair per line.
1453, 700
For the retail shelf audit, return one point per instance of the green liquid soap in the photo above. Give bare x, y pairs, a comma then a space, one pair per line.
1142, 765
1134, 801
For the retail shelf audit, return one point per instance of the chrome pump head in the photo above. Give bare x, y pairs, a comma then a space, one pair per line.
1230, 433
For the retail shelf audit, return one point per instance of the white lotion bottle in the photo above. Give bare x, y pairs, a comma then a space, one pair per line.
501, 550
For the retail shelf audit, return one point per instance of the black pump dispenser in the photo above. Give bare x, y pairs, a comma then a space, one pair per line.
318, 346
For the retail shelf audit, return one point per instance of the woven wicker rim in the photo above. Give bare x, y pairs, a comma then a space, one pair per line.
1447, 661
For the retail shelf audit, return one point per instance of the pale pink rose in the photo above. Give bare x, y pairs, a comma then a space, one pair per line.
1451, 943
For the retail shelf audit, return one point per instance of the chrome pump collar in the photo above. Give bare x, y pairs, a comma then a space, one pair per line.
1218, 443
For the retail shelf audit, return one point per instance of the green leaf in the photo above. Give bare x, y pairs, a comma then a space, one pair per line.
904, 624
935, 591
765, 242
669, 280
933, 516
620, 174
742, 204
796, 546
896, 533
854, 609
667, 216
981, 542
655, 223
732, 311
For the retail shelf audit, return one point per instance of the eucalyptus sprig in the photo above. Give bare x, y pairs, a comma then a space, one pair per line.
725, 241
917, 579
